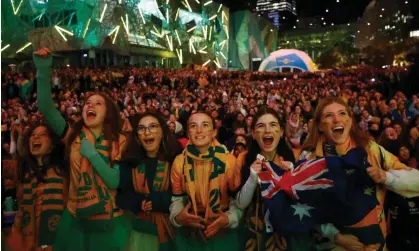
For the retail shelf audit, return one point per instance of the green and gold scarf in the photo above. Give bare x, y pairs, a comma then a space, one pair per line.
38, 228
202, 179
161, 183
94, 197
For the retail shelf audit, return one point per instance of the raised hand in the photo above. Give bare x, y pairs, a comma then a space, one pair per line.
42, 58
44, 52
256, 166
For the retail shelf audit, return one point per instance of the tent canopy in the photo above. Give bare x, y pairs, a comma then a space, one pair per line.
293, 59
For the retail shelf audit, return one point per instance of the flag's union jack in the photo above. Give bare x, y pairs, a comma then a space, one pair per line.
304, 177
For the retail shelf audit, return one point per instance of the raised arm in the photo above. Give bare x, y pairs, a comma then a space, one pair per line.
43, 62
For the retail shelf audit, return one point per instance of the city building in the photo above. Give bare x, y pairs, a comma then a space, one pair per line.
315, 41
282, 13
384, 22
263, 6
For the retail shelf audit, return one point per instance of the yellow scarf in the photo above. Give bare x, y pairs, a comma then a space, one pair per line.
202, 182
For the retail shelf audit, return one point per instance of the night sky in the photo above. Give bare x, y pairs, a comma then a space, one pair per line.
342, 12
339, 12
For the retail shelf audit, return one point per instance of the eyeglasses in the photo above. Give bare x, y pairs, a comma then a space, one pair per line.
151, 128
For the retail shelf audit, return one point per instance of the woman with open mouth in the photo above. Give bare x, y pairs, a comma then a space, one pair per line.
266, 141
91, 220
335, 133
44, 184
145, 184
203, 181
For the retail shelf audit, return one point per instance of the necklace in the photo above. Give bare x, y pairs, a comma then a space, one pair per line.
273, 158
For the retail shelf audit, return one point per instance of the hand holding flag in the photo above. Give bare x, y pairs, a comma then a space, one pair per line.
334, 190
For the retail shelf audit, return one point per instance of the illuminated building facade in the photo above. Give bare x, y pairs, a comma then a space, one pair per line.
263, 6
147, 33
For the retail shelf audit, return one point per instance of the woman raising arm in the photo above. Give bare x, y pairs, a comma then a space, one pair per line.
92, 146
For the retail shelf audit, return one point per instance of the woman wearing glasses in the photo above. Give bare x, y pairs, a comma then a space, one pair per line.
203, 181
91, 220
145, 184
258, 234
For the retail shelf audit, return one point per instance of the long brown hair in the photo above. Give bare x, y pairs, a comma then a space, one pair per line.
28, 163
360, 138
111, 124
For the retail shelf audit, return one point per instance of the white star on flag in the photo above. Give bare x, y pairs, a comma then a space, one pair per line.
368, 191
350, 171
301, 210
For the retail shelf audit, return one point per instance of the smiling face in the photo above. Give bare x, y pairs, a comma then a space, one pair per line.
335, 123
40, 143
94, 111
404, 153
201, 131
267, 133
150, 134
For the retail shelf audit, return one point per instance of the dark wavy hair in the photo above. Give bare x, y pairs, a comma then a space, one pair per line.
282, 149
169, 146
28, 163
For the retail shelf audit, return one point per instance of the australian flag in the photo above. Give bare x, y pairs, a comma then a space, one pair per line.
334, 189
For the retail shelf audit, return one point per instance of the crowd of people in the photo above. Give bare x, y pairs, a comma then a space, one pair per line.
152, 159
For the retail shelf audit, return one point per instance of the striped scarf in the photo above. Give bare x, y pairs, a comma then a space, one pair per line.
94, 197
37, 227
201, 178
161, 183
